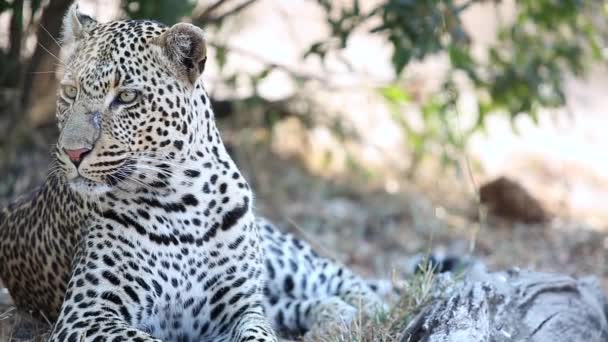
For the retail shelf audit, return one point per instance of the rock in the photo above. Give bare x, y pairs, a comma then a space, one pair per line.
508, 199
512, 306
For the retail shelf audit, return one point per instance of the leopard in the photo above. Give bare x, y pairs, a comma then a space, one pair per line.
147, 230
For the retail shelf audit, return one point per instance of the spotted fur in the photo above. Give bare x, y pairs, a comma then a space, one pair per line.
37, 238
149, 234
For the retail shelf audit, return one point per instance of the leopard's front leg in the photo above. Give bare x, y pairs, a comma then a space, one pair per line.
98, 327
96, 307
253, 325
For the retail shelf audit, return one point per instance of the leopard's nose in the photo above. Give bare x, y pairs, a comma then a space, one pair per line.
77, 155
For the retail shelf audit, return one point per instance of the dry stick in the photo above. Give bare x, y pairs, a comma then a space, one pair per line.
7, 314
468, 168
46, 319
469, 171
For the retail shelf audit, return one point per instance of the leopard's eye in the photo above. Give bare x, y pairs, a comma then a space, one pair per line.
70, 91
126, 97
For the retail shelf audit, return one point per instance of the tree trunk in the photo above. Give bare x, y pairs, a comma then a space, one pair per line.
40, 83
514, 306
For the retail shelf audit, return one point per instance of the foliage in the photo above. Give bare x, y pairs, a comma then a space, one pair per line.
520, 73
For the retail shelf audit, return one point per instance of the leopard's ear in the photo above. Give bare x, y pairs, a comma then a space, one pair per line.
185, 47
76, 25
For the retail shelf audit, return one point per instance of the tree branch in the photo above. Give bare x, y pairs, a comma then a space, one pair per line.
204, 14
270, 64
232, 12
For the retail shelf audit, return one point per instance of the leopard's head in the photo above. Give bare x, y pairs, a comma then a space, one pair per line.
130, 101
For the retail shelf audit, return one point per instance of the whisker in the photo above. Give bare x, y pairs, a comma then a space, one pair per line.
155, 169
163, 161
54, 171
116, 183
129, 171
50, 35
57, 58
42, 72
140, 183
151, 153
152, 167
150, 176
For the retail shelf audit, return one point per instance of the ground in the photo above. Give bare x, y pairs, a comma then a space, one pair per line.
355, 220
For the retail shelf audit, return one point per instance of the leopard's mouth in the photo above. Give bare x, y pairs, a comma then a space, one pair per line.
126, 177
87, 187
88, 179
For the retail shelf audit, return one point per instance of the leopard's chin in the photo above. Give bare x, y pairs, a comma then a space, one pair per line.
86, 187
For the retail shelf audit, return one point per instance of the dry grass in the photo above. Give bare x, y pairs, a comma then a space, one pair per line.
19, 327
388, 326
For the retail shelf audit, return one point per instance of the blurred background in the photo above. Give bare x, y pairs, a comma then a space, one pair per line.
377, 129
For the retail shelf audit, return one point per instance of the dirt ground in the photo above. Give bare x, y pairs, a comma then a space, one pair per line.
356, 221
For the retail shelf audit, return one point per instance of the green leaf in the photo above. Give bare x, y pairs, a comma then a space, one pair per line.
221, 56
460, 58
401, 58
395, 94
317, 49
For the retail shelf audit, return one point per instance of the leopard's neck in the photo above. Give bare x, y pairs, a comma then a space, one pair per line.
201, 196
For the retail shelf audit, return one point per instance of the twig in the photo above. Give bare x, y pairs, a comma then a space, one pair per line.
270, 64
205, 13
48, 321
8, 313
465, 156
206, 17
233, 11
469, 172
463, 7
